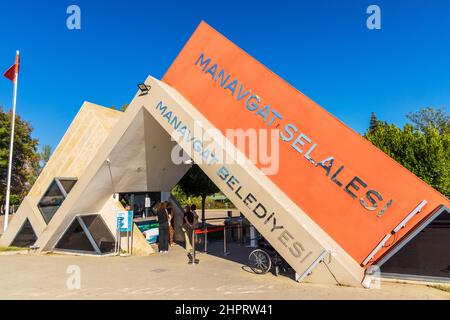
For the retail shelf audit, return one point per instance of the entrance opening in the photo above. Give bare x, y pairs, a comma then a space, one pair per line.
136, 201
222, 231
26, 237
87, 234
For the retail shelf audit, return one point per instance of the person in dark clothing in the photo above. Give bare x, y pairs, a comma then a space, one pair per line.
195, 224
194, 214
163, 221
188, 226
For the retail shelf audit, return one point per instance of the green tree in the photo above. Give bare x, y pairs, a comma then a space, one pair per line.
180, 195
196, 183
423, 146
373, 122
124, 107
25, 157
44, 156
425, 117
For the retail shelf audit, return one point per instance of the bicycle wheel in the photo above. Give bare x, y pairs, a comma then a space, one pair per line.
259, 261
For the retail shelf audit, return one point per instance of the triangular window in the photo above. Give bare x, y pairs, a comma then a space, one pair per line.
87, 233
100, 233
75, 239
26, 236
55, 196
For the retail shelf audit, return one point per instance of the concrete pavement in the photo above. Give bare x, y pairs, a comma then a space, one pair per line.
170, 277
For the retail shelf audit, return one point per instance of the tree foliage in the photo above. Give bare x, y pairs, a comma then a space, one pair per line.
211, 200
44, 156
373, 122
25, 157
196, 183
422, 146
124, 107
430, 117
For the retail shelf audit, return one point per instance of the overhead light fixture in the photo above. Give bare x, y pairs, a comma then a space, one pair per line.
144, 89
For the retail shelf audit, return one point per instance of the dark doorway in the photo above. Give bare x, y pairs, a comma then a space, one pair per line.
426, 254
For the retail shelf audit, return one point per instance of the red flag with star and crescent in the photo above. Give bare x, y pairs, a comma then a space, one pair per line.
13, 70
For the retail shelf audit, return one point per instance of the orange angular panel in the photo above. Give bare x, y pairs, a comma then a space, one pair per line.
351, 189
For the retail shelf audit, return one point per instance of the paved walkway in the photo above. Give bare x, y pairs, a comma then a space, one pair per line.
170, 277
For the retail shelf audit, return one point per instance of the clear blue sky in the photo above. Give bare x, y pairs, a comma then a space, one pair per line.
321, 47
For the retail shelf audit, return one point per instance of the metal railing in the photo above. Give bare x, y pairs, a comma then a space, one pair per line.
205, 229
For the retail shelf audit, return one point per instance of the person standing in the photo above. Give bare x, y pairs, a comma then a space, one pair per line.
188, 227
163, 228
169, 211
194, 214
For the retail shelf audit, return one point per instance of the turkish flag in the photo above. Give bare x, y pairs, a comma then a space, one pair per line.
11, 72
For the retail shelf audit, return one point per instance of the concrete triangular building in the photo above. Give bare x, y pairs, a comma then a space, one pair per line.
106, 152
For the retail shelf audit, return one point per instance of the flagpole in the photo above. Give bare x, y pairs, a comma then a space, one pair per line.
11, 145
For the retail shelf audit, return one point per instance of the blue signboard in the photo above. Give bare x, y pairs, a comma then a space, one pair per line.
125, 221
